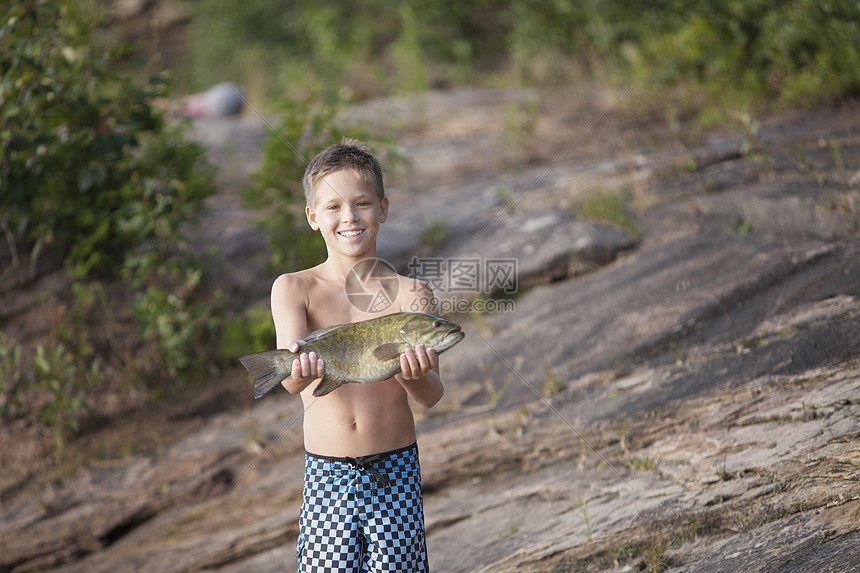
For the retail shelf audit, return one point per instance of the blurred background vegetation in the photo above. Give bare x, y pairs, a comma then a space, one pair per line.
93, 178
742, 52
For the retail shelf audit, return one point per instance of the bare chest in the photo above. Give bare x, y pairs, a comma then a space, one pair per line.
328, 306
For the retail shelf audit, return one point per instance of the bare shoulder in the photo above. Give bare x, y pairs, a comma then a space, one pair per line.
292, 283
297, 283
290, 302
417, 296
291, 292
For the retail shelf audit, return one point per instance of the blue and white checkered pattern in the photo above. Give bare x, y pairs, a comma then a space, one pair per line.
364, 514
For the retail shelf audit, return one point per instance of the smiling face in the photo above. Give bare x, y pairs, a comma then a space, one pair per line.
347, 211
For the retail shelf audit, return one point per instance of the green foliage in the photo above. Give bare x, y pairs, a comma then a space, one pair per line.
308, 126
59, 371
737, 52
407, 52
247, 334
544, 34
434, 234
520, 135
11, 377
174, 319
812, 51
609, 208
583, 513
91, 171
302, 45
51, 386
371, 47
741, 51
84, 151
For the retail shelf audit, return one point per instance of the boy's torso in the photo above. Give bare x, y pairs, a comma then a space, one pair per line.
356, 419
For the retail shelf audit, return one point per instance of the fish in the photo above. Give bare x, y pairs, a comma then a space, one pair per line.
361, 352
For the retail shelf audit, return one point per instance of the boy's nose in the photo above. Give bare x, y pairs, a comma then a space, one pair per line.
349, 215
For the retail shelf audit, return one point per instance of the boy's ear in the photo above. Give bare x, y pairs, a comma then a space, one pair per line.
383, 209
312, 218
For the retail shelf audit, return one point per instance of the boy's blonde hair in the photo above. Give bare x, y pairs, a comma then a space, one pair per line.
350, 154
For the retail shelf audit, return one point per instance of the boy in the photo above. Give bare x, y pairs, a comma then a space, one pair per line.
362, 507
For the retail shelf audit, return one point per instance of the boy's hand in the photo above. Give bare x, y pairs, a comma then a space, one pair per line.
306, 369
415, 364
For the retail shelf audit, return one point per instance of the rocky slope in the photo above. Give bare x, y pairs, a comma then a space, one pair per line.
684, 399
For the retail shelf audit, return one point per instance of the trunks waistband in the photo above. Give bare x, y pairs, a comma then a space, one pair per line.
366, 462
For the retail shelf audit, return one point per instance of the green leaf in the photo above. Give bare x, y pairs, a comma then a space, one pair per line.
93, 174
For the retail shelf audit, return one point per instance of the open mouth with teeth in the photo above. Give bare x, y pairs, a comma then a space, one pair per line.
351, 234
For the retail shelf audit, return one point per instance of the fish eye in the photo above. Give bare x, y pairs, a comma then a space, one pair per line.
437, 323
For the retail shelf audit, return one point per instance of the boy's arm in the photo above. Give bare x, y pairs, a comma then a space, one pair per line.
419, 374
290, 314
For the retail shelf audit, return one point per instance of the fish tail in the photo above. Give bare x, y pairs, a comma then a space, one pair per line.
269, 368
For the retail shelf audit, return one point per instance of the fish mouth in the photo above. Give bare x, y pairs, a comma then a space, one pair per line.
454, 335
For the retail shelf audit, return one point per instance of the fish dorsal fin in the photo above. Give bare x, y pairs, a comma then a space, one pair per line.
387, 351
323, 332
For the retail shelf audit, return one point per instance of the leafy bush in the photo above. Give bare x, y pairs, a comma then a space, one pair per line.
91, 172
86, 157
803, 51
51, 386
174, 319
372, 47
743, 50
250, 333
299, 46
810, 50
59, 371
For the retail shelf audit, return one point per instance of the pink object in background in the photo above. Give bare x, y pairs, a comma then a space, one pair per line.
221, 100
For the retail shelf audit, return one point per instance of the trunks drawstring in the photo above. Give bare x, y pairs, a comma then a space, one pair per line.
365, 463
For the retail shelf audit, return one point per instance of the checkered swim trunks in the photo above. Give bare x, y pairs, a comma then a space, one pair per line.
362, 514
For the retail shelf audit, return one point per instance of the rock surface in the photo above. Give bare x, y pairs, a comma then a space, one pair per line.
690, 404
547, 245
